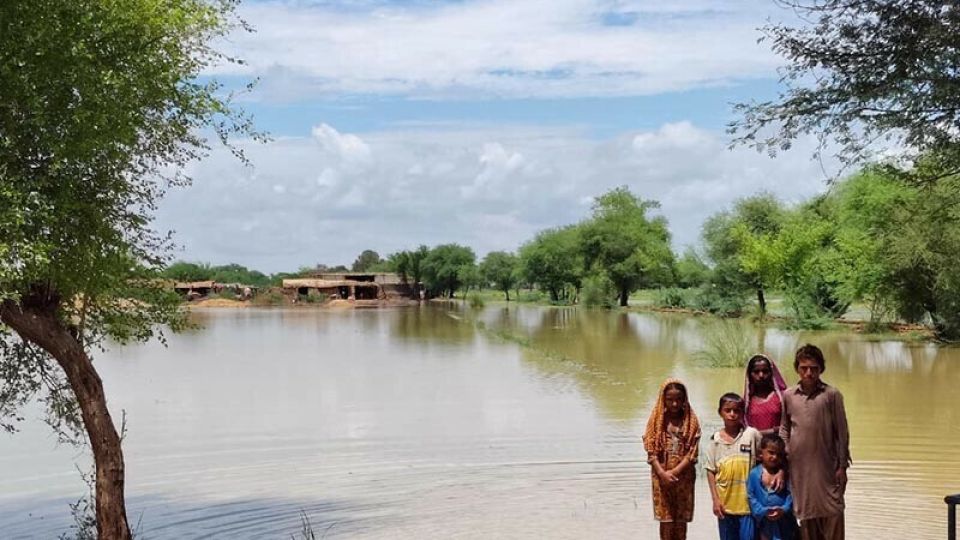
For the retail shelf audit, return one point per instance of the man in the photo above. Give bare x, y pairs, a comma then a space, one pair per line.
818, 445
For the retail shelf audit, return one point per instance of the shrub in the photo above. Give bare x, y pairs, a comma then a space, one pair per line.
598, 291
713, 300
725, 344
532, 296
672, 297
269, 298
475, 300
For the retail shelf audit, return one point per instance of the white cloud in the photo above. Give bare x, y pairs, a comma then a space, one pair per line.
489, 188
500, 48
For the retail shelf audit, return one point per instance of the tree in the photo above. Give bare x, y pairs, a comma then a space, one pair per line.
863, 70
631, 249
691, 271
500, 269
754, 220
100, 108
444, 268
236, 273
187, 271
553, 260
365, 261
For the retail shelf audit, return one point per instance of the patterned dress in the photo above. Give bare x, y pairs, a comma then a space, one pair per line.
674, 502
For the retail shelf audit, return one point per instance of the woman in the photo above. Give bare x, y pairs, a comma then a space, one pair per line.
763, 395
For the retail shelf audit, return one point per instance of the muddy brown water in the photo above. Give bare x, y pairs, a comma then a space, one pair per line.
441, 422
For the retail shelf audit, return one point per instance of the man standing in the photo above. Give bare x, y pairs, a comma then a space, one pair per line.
818, 445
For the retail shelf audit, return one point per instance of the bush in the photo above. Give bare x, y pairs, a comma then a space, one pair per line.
806, 314
725, 344
598, 291
269, 298
532, 296
475, 300
672, 297
713, 300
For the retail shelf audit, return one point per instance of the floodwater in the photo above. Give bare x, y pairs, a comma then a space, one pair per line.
442, 422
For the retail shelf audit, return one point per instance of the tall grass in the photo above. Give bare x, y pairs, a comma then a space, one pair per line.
475, 300
726, 343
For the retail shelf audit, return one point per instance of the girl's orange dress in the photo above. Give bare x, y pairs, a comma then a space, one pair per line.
672, 502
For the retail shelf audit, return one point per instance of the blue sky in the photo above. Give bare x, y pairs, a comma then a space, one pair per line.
479, 122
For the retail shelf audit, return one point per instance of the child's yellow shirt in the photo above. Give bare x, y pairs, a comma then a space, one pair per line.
731, 463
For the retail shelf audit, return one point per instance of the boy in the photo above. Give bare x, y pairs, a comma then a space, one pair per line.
772, 508
728, 458
818, 445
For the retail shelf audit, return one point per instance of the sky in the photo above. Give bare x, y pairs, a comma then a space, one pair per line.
480, 122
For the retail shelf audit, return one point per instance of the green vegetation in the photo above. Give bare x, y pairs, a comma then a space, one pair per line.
502, 270
554, 262
448, 267
367, 261
599, 291
229, 273
628, 248
862, 71
101, 107
726, 343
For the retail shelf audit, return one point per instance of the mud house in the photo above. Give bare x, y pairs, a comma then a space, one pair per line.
195, 289
348, 286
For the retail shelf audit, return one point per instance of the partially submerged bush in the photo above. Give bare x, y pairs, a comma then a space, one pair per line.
714, 300
598, 291
673, 297
726, 343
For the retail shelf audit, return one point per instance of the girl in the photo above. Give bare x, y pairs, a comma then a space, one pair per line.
763, 395
672, 440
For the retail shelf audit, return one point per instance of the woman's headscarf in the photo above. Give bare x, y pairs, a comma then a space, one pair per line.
653, 439
779, 385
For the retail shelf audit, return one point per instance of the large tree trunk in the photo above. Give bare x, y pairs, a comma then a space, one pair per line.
762, 301
39, 324
624, 296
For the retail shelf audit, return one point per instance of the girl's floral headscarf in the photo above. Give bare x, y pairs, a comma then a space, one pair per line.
654, 438
779, 385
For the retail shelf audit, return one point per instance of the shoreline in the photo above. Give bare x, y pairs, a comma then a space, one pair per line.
891, 330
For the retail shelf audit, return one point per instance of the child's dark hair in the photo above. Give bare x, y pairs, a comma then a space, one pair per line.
774, 440
730, 397
809, 352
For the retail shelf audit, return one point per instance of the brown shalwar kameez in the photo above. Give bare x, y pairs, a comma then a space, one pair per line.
818, 443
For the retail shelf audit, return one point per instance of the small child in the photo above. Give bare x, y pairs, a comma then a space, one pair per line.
772, 509
672, 440
729, 456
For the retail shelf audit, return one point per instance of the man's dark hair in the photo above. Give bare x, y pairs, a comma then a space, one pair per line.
809, 352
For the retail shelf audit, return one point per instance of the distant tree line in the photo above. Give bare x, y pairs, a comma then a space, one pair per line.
878, 238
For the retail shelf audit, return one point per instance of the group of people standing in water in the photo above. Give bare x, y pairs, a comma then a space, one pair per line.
778, 468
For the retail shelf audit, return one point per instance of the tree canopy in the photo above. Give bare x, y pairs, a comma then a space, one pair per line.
500, 269
366, 261
863, 70
445, 267
632, 249
552, 260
